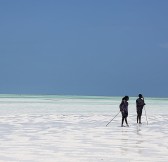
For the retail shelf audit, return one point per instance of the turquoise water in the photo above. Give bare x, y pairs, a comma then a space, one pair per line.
74, 104
56, 104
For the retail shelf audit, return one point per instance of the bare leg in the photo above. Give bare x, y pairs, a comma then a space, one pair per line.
126, 122
139, 119
122, 121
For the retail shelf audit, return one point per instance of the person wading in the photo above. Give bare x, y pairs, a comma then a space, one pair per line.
124, 110
139, 107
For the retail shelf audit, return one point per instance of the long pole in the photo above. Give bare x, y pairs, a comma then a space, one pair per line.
146, 116
111, 120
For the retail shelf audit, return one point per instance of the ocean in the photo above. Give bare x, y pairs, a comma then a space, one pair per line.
52, 128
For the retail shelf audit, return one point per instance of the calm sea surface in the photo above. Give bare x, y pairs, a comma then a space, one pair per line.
50, 104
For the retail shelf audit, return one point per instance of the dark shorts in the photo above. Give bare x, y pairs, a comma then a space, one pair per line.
139, 112
124, 114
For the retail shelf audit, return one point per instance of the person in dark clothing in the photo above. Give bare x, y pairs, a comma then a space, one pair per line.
139, 107
124, 110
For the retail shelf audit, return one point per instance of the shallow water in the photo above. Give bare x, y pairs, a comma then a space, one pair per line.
73, 129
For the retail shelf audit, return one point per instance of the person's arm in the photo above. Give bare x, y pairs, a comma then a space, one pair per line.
143, 101
120, 107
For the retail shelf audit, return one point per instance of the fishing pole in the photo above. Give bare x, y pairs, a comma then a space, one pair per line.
146, 116
112, 119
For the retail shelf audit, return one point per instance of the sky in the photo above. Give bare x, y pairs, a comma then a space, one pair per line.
84, 47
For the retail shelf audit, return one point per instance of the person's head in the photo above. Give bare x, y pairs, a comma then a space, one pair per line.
140, 96
126, 98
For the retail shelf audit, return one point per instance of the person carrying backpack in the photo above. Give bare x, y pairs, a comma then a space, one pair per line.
124, 110
139, 107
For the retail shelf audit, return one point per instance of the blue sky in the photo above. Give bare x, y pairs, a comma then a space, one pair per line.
90, 47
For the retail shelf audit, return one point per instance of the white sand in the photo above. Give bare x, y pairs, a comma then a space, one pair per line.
51, 130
